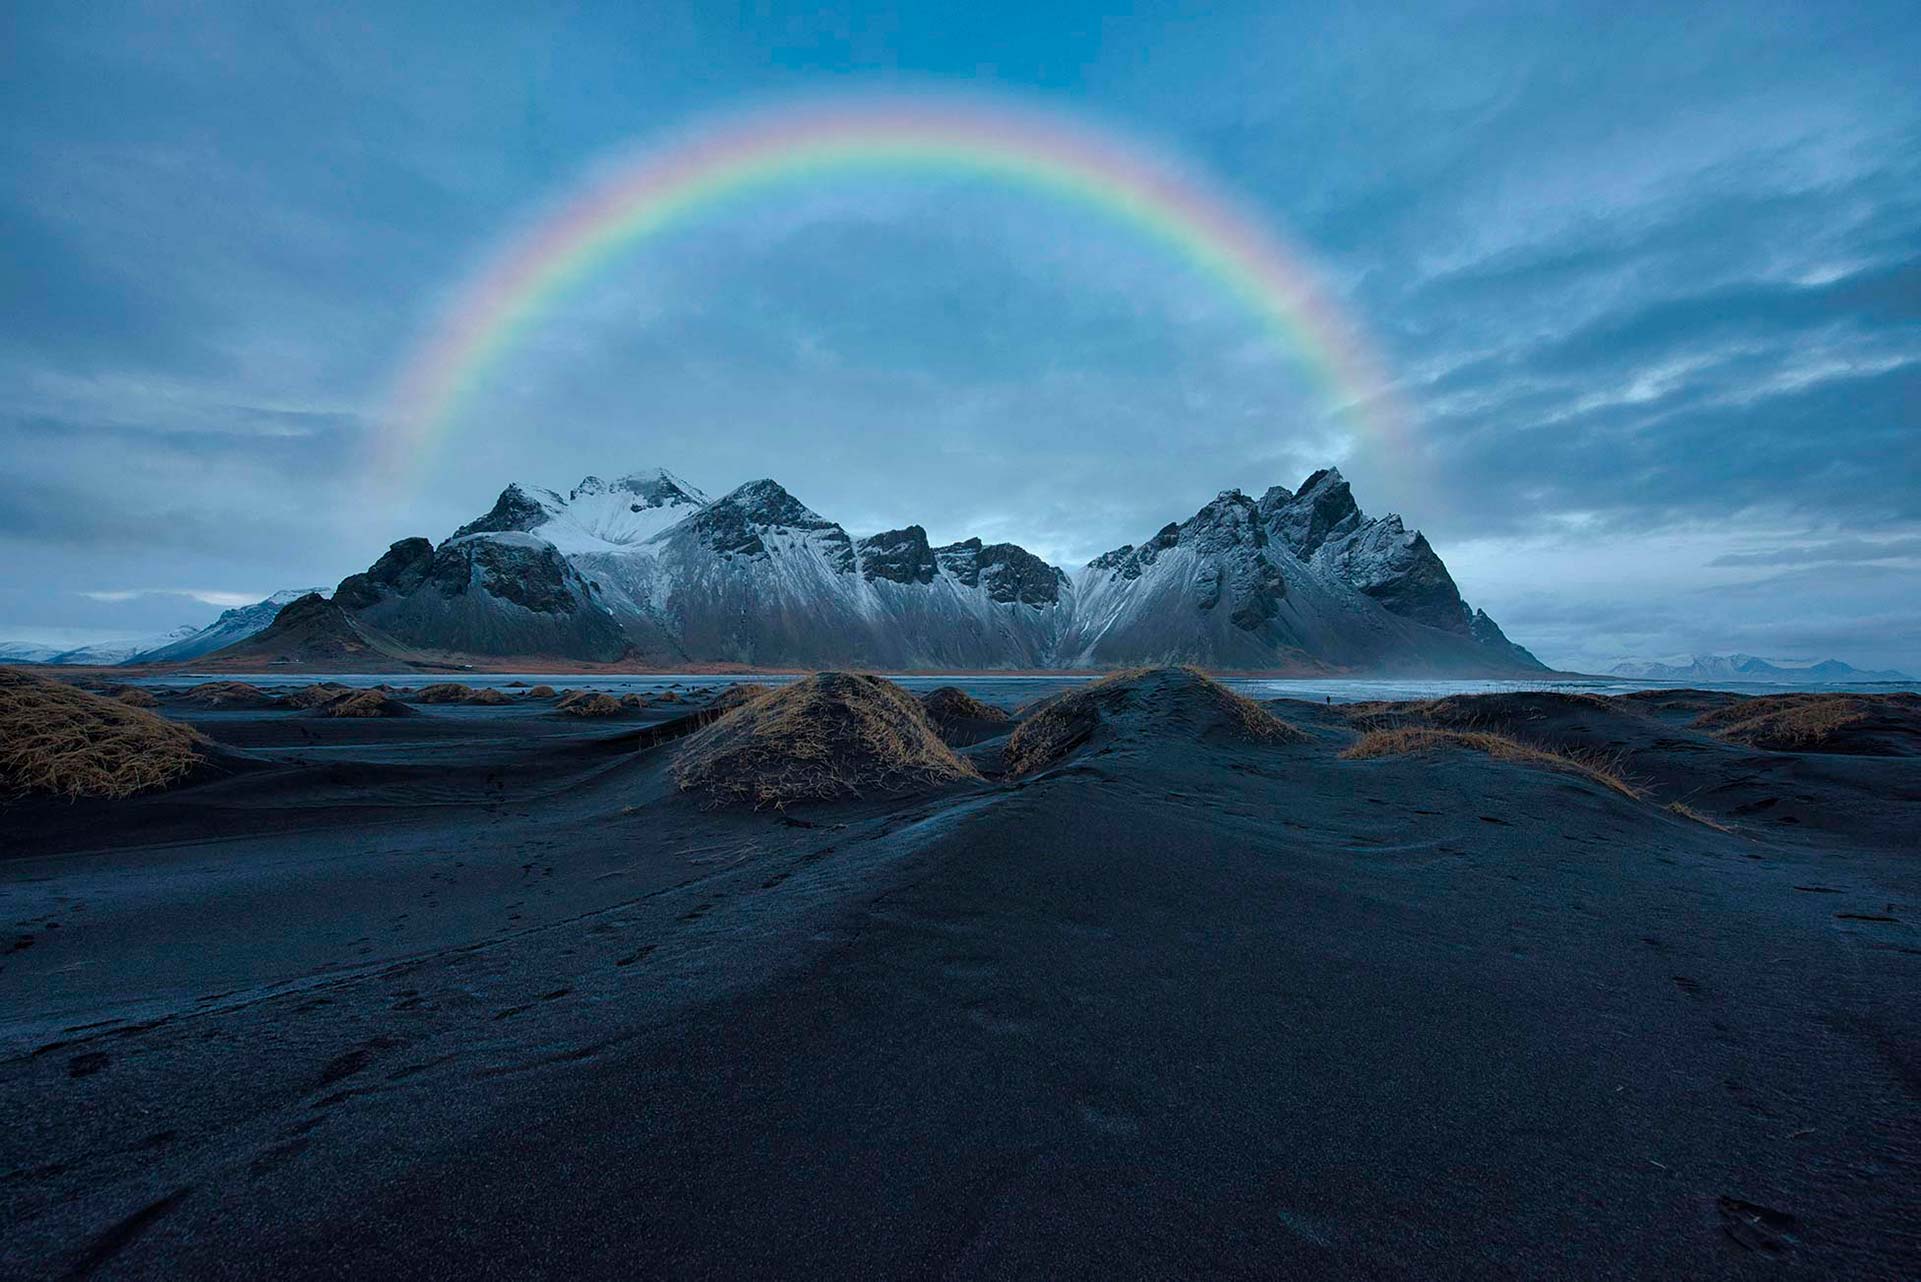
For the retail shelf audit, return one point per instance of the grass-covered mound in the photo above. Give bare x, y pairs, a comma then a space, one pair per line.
63, 741
488, 697
951, 703
444, 692
135, 697
228, 694
831, 736
739, 694
364, 703
1859, 723
541, 692
590, 703
1185, 702
318, 695
1404, 740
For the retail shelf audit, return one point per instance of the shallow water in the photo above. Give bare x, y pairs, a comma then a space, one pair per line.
1012, 691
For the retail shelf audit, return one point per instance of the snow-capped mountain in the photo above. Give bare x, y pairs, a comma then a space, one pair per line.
100, 654
1293, 579
647, 568
1747, 667
232, 626
595, 516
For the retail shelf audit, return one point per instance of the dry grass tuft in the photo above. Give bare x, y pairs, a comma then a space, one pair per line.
445, 692
490, 697
589, 703
1059, 725
61, 740
1787, 722
135, 697
831, 736
1686, 811
541, 692
228, 694
1403, 740
667, 697
632, 701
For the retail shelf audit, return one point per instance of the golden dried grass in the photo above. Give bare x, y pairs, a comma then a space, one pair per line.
1790, 721
831, 736
1397, 741
445, 692
489, 697
57, 739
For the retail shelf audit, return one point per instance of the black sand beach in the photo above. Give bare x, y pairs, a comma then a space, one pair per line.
477, 992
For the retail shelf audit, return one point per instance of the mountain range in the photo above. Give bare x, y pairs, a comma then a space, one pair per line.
647, 569
1747, 667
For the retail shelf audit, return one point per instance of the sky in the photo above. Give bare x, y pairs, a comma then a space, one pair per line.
1645, 285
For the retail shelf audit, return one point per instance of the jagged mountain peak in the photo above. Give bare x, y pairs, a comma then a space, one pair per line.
656, 486
644, 564
767, 503
741, 521
1322, 509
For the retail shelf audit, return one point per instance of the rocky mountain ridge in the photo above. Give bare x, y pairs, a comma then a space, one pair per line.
647, 569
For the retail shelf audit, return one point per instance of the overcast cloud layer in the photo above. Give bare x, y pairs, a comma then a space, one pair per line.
1649, 284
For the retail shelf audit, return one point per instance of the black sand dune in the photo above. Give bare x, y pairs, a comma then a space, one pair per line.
480, 992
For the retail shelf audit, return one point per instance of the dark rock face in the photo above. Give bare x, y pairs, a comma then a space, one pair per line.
535, 577
515, 509
737, 524
899, 556
1322, 509
400, 569
494, 593
1008, 573
1229, 534
1400, 570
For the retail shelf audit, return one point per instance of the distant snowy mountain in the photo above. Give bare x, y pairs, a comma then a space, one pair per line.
179, 645
102, 654
26, 652
646, 568
1747, 667
232, 626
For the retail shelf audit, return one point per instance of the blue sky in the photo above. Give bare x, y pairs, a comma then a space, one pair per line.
1648, 282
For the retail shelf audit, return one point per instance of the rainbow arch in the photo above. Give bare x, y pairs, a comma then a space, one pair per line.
661, 187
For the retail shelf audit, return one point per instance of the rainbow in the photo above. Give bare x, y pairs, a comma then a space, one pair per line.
656, 189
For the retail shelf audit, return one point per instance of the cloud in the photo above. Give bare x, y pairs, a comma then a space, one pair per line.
206, 596
1839, 550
